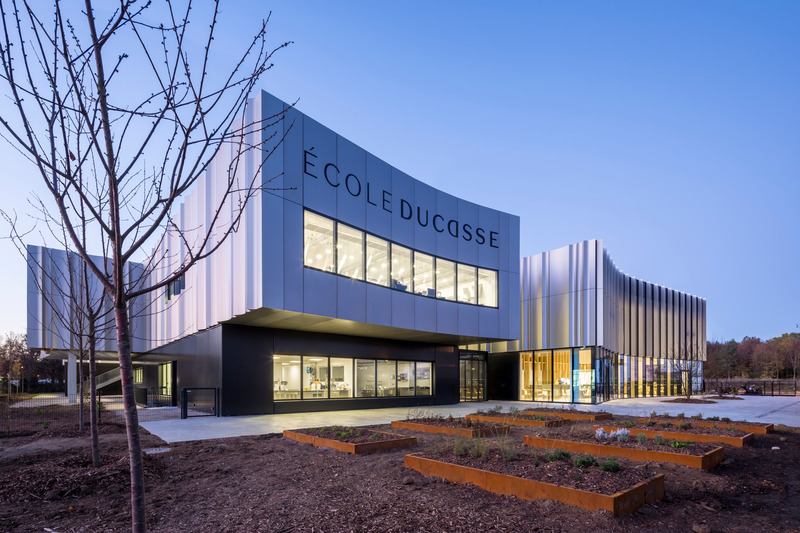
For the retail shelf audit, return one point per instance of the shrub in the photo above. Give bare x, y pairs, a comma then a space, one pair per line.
460, 447
713, 418
653, 414
641, 438
508, 452
584, 461
659, 439
680, 444
698, 416
496, 409
666, 424
558, 455
725, 419
680, 415
685, 425
622, 437
629, 423
611, 465
651, 423
478, 449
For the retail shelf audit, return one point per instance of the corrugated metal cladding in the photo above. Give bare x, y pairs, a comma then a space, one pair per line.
576, 296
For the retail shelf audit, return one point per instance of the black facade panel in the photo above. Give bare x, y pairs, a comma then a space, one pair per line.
503, 372
446, 375
246, 370
198, 360
305, 343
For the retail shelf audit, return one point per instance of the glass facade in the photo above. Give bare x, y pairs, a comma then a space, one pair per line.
298, 377
594, 375
334, 247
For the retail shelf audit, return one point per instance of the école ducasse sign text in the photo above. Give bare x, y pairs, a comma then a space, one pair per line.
383, 199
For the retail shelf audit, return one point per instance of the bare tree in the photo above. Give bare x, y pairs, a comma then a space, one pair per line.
120, 118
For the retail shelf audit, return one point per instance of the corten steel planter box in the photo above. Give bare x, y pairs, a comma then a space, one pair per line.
519, 421
572, 415
752, 428
738, 442
707, 461
392, 442
461, 432
627, 501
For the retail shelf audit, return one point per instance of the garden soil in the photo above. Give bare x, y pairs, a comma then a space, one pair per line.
268, 483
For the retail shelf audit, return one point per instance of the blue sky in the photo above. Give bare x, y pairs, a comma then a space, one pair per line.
671, 130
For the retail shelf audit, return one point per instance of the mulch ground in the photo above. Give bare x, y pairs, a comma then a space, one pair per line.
268, 483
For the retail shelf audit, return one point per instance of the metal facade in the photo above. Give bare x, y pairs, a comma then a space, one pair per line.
576, 296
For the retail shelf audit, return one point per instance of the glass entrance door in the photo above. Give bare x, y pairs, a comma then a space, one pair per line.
472, 377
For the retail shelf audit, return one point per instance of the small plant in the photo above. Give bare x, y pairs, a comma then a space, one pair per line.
45, 426
680, 415
666, 424
375, 436
496, 409
38, 411
438, 445
659, 439
584, 461
538, 417
698, 416
725, 419
622, 437
680, 444
513, 411
713, 418
478, 449
629, 423
507, 451
460, 447
558, 455
653, 414
641, 438
611, 465
729, 428
651, 423
685, 425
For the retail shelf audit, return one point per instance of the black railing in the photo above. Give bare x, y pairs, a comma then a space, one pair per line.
752, 387
199, 401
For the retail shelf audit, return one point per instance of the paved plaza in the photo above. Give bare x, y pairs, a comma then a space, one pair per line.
777, 410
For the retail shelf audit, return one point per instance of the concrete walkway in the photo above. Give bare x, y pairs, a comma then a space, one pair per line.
777, 410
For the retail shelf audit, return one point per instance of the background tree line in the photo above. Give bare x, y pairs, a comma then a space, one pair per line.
776, 358
26, 370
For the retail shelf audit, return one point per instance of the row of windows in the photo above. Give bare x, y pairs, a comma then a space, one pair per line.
334, 247
313, 378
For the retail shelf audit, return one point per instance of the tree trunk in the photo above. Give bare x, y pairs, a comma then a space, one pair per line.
138, 524
80, 386
93, 395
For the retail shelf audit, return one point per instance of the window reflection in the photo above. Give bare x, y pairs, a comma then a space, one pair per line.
315, 377
335, 247
487, 287
350, 251
377, 261
401, 268
562, 382
365, 378
467, 284
445, 279
526, 376
423, 275
424, 379
318, 242
341, 378
543, 376
405, 378
286, 377
387, 372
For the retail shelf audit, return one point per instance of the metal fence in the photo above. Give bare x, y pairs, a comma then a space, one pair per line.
26, 414
761, 387
200, 401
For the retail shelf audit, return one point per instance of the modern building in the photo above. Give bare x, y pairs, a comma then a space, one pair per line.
349, 284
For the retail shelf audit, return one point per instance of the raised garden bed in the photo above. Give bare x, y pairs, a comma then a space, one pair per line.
520, 419
452, 426
747, 427
694, 455
570, 414
625, 500
350, 440
709, 435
